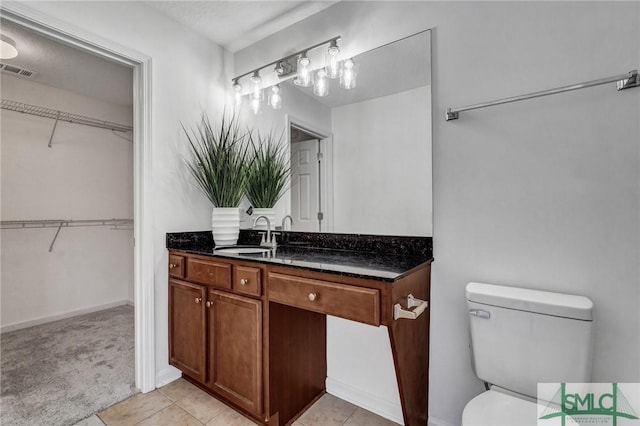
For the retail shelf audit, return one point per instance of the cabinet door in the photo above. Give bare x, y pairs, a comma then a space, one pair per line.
235, 349
187, 325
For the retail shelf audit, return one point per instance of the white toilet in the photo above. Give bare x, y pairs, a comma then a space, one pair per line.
520, 338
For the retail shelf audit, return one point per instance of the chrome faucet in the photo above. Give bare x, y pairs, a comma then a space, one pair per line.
268, 242
284, 219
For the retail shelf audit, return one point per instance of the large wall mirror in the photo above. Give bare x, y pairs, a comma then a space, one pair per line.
361, 158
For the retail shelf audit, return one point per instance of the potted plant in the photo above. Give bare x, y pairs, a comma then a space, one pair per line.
219, 166
267, 176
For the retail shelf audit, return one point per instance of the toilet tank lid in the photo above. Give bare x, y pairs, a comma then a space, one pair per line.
536, 301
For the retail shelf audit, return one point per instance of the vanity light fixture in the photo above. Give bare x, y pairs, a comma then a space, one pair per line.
321, 86
348, 74
305, 76
332, 63
299, 67
7, 47
275, 99
237, 89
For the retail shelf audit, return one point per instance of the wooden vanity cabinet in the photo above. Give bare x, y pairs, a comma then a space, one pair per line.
254, 334
187, 328
215, 336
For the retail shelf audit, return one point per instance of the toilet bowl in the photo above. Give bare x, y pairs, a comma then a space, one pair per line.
519, 338
497, 407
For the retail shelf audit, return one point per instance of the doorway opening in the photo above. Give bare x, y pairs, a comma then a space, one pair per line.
311, 160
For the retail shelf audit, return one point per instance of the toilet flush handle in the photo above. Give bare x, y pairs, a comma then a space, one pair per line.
480, 313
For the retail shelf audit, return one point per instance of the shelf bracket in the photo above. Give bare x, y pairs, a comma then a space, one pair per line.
56, 236
54, 130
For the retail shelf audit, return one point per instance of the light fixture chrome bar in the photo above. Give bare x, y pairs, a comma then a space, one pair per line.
286, 58
624, 81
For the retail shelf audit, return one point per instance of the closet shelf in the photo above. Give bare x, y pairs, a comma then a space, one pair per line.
62, 116
64, 223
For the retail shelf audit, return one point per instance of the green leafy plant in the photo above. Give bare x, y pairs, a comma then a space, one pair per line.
219, 159
268, 171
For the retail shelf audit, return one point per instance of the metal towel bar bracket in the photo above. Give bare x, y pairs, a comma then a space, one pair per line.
412, 302
623, 81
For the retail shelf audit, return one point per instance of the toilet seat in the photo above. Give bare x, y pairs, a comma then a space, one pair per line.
497, 408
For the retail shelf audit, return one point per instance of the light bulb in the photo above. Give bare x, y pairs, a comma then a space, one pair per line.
321, 86
256, 86
237, 88
348, 74
331, 60
305, 77
255, 105
275, 99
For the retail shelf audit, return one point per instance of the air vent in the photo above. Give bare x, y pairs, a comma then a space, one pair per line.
21, 72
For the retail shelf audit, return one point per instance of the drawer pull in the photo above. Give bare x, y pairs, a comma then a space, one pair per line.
312, 297
244, 281
198, 299
172, 265
412, 302
208, 304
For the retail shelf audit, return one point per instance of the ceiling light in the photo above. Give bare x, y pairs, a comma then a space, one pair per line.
332, 63
7, 48
237, 88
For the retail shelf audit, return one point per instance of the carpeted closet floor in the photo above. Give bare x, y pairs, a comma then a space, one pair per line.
58, 373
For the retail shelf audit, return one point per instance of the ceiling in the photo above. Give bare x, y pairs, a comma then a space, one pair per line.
69, 68
231, 24
237, 24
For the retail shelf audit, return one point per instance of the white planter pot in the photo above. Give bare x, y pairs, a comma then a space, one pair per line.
225, 225
262, 224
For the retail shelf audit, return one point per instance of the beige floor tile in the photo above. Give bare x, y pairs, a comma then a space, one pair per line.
363, 417
171, 416
202, 406
229, 417
178, 389
327, 411
135, 409
90, 421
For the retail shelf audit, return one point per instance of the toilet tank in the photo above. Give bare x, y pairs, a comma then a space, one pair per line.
522, 337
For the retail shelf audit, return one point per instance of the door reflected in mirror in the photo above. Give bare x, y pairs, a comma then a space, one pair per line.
361, 158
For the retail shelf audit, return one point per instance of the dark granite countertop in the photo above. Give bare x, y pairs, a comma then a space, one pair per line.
385, 258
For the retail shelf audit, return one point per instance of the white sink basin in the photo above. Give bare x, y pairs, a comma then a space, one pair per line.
244, 250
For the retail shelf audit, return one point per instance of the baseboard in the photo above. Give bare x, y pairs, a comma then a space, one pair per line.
373, 403
167, 375
64, 315
438, 422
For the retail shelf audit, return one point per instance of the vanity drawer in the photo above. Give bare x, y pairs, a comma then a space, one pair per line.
246, 280
341, 300
176, 266
209, 272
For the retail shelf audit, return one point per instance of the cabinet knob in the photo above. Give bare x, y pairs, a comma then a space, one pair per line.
198, 299
313, 297
172, 265
208, 304
244, 281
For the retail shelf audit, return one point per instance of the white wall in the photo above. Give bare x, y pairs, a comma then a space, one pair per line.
188, 77
395, 151
542, 193
87, 174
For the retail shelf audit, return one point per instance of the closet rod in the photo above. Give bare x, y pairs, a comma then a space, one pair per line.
623, 81
63, 116
62, 223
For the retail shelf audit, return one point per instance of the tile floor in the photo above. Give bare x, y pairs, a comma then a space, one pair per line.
181, 404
